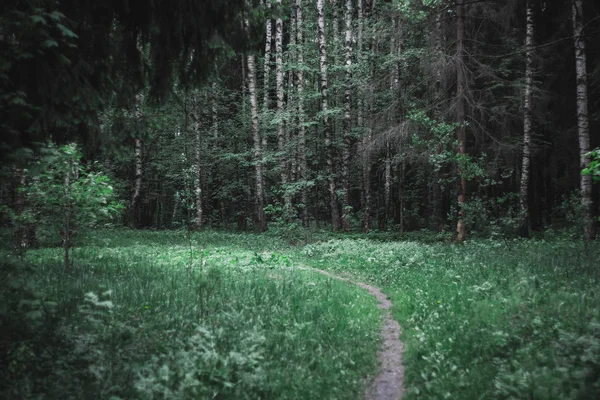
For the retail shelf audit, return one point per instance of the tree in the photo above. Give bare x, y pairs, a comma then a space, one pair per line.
198, 154
301, 114
65, 59
280, 104
333, 203
67, 197
258, 158
460, 116
347, 116
137, 186
583, 118
527, 120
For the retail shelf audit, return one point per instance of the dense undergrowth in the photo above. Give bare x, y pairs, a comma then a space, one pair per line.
490, 319
222, 315
153, 315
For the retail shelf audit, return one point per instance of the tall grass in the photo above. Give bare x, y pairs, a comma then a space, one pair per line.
142, 316
490, 319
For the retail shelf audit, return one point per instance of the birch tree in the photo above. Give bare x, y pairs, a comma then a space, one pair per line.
138, 149
139, 117
583, 127
198, 154
460, 116
301, 114
258, 161
347, 116
280, 104
527, 120
335, 217
267, 61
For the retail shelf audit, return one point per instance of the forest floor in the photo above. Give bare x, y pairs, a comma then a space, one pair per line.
224, 315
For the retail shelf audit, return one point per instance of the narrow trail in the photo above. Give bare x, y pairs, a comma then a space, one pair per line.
389, 383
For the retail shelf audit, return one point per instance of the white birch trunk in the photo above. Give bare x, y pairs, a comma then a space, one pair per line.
527, 121
198, 153
280, 124
460, 114
259, 179
335, 219
347, 117
137, 185
301, 117
583, 126
267, 69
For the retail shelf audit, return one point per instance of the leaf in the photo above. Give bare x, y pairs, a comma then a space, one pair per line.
56, 15
66, 31
49, 43
38, 19
36, 314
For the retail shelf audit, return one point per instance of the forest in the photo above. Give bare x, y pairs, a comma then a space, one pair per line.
300, 199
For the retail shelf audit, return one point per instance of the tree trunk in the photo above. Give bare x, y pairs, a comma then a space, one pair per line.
368, 138
460, 115
335, 217
267, 69
583, 118
175, 209
137, 186
301, 117
259, 196
292, 162
438, 217
387, 183
527, 122
215, 112
280, 124
266, 88
347, 118
197, 148
20, 237
359, 46
67, 219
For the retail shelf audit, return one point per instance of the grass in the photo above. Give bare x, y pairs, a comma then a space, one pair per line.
140, 316
219, 315
487, 320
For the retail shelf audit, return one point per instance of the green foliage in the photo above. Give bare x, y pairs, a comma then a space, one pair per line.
594, 167
490, 319
67, 196
138, 322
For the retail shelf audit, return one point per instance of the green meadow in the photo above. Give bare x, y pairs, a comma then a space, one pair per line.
166, 315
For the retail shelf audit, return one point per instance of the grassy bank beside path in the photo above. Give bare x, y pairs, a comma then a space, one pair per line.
151, 315
488, 319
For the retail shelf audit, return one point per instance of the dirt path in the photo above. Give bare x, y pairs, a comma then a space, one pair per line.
388, 384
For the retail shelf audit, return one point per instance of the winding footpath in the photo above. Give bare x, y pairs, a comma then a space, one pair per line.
388, 384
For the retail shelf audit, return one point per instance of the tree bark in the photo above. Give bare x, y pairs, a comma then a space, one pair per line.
359, 46
347, 118
438, 217
368, 137
280, 103
267, 62
197, 148
137, 186
583, 118
67, 219
527, 122
333, 203
301, 117
335, 27
259, 195
292, 162
21, 240
460, 116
